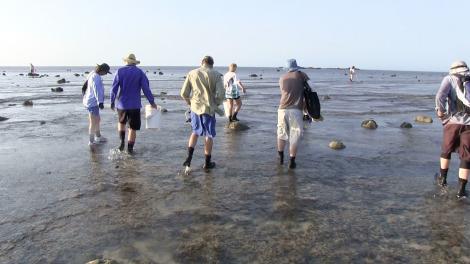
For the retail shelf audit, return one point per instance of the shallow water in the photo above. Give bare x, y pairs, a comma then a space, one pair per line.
374, 201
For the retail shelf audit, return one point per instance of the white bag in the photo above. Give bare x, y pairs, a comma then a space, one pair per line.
153, 117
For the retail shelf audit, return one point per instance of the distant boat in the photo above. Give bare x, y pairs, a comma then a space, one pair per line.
32, 71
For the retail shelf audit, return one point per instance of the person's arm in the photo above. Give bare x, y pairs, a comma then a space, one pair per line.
185, 92
442, 97
240, 84
99, 91
219, 90
144, 83
115, 89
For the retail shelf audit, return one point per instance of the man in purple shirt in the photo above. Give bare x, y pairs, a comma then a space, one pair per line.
128, 82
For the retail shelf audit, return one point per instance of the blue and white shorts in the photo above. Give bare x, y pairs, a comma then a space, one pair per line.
203, 125
94, 110
232, 92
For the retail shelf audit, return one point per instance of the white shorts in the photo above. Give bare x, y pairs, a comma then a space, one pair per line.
289, 125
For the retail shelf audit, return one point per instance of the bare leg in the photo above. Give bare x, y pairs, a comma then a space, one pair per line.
463, 173
208, 146
463, 178
230, 108
293, 149
192, 140
132, 135
281, 144
445, 163
238, 105
91, 128
96, 120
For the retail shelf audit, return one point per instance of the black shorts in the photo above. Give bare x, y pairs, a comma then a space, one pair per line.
131, 116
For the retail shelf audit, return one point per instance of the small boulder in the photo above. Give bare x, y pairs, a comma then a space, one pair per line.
21, 74
42, 123
406, 125
61, 81
393, 75
236, 126
369, 124
423, 119
77, 75
164, 110
3, 118
154, 72
57, 76
336, 144
326, 97
28, 103
11, 104
87, 72
4, 74
163, 93
160, 73
253, 75
57, 90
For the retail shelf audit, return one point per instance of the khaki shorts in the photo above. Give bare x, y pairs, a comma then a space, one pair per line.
290, 125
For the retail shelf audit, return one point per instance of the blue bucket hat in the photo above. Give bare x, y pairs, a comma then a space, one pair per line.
292, 65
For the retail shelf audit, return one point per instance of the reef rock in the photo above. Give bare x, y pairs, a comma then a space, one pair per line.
57, 90
369, 124
237, 126
406, 125
423, 119
28, 103
336, 144
61, 81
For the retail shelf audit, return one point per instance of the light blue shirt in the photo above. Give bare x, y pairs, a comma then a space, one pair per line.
94, 94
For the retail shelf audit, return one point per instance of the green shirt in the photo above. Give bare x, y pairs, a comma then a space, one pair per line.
205, 89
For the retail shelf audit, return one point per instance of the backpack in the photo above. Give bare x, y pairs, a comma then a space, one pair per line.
312, 102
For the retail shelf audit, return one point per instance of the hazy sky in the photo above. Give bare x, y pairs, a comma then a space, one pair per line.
372, 34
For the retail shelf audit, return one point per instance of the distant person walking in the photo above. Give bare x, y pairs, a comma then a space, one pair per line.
128, 83
453, 108
93, 98
232, 92
203, 91
352, 73
290, 112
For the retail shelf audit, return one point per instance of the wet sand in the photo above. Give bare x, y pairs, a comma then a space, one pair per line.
374, 201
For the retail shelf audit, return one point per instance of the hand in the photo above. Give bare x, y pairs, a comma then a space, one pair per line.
101, 106
154, 105
112, 106
440, 114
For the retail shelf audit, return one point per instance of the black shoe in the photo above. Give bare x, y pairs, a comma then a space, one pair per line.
208, 166
461, 195
441, 181
235, 119
187, 163
121, 147
292, 164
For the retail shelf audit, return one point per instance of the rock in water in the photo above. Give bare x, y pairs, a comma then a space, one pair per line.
102, 261
57, 76
406, 125
87, 72
3, 118
237, 126
253, 75
336, 144
4, 74
164, 110
326, 97
423, 119
61, 81
42, 123
369, 124
57, 90
28, 103
160, 73
77, 75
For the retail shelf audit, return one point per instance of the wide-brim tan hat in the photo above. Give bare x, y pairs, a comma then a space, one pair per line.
458, 67
130, 59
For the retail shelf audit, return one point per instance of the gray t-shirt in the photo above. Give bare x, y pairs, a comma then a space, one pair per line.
292, 90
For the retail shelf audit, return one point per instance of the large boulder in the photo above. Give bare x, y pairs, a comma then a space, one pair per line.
57, 90
406, 125
423, 119
28, 103
236, 126
3, 118
61, 81
336, 145
369, 124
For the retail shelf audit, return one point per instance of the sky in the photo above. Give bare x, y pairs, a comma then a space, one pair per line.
425, 35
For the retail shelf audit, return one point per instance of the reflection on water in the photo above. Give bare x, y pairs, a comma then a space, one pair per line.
374, 201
